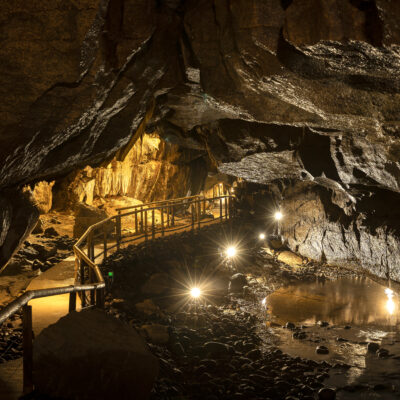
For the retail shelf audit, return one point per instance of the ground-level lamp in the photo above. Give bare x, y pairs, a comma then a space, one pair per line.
278, 216
195, 292
231, 251
390, 303
261, 236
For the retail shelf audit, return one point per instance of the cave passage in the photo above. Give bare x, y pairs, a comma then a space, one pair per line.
199, 200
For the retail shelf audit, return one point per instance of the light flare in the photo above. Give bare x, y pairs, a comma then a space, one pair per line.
231, 251
278, 215
261, 236
195, 292
390, 303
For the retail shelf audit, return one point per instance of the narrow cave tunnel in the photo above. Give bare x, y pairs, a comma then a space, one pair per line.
199, 199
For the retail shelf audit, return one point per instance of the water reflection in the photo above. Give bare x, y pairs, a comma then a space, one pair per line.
354, 301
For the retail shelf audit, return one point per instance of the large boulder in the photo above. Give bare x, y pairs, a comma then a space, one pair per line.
18, 217
86, 216
91, 355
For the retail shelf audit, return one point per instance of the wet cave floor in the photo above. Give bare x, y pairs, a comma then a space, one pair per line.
261, 329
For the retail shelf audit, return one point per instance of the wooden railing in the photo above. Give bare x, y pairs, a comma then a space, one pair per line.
109, 235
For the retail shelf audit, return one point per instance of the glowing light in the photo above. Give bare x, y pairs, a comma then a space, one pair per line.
264, 302
278, 215
195, 292
390, 303
231, 251
261, 236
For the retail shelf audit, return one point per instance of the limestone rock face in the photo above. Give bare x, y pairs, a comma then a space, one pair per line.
81, 357
322, 221
43, 196
272, 90
85, 216
152, 169
18, 217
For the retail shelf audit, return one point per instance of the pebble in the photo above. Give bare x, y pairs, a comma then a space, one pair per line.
372, 347
327, 394
322, 350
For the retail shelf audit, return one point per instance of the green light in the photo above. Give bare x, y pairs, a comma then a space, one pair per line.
111, 274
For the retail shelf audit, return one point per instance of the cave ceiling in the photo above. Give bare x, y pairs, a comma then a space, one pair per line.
313, 86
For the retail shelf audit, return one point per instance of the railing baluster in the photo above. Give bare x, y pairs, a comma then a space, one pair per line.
92, 292
118, 230
145, 225
27, 338
153, 231
173, 215
82, 279
199, 213
192, 208
72, 302
220, 208
168, 214
141, 219
100, 298
162, 221
226, 207
136, 223
105, 243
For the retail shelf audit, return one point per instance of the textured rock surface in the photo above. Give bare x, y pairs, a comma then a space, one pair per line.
273, 90
86, 216
81, 356
152, 169
323, 222
18, 217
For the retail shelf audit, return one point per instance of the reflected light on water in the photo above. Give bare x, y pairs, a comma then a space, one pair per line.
390, 303
264, 302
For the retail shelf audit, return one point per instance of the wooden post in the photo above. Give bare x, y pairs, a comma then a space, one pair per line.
27, 343
153, 231
220, 208
136, 223
105, 243
92, 292
82, 273
72, 302
162, 221
192, 210
204, 206
141, 219
145, 225
226, 207
199, 213
168, 214
100, 298
173, 215
118, 230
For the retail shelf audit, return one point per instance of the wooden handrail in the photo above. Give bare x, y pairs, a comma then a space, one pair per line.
86, 262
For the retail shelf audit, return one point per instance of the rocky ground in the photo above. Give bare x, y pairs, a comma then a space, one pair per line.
217, 346
213, 347
44, 248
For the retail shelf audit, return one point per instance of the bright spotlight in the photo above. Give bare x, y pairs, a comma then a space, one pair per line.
195, 292
278, 215
390, 303
261, 236
231, 252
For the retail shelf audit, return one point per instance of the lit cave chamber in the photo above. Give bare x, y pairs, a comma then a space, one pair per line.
199, 199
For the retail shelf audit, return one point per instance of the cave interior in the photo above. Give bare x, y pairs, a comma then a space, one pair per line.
225, 174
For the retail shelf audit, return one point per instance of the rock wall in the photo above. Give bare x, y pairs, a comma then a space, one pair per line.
152, 169
274, 90
323, 222
18, 217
